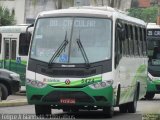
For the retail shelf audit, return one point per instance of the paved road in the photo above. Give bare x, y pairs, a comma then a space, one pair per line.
144, 107
29, 109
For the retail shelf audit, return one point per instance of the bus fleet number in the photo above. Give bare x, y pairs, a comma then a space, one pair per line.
89, 80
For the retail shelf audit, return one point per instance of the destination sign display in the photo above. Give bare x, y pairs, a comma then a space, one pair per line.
77, 23
153, 32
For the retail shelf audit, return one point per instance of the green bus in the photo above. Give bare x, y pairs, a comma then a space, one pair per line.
87, 58
14, 48
153, 39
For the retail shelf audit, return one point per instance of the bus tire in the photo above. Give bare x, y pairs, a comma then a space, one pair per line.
4, 91
123, 108
108, 111
149, 96
132, 106
43, 110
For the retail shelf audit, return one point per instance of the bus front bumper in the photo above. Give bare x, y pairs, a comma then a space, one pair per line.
61, 97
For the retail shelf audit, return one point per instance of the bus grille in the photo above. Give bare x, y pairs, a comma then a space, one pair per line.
79, 96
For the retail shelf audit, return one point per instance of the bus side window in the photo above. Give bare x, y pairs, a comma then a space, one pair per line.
126, 42
131, 41
136, 52
141, 41
120, 36
24, 43
145, 42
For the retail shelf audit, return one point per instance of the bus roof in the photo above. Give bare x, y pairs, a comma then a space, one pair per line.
13, 29
93, 11
153, 26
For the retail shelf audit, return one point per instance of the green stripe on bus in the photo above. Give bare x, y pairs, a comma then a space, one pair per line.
24, 62
157, 81
127, 94
77, 82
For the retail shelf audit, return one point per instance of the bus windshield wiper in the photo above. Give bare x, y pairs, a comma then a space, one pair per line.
59, 50
83, 52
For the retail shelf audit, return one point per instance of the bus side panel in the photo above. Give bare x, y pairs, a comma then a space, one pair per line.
130, 71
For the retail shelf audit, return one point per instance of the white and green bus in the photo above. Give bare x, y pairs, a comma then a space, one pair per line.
14, 46
153, 39
87, 58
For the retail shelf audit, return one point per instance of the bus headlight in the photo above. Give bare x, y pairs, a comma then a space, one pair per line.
100, 85
35, 83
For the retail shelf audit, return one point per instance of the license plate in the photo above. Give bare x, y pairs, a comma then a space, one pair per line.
67, 101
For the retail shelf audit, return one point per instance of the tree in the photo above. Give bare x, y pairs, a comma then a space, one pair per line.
6, 17
146, 14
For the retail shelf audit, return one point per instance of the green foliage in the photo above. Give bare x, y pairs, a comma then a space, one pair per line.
6, 17
146, 14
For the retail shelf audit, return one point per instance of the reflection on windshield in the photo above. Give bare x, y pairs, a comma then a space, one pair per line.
95, 34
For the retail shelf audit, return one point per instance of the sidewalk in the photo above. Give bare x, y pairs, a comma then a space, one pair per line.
15, 100
11, 103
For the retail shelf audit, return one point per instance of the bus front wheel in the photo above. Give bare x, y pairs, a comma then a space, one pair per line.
108, 111
43, 110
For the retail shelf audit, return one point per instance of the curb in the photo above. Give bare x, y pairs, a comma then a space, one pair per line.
11, 103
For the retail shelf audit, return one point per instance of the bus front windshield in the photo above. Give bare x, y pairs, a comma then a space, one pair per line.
154, 48
72, 40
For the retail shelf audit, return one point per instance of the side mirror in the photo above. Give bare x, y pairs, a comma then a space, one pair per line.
31, 25
27, 33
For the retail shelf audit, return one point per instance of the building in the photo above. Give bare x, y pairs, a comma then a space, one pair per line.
144, 3
27, 10
18, 6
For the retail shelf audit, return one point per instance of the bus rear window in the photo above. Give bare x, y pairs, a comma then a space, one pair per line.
24, 43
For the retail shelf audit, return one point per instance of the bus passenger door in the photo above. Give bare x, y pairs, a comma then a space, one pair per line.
10, 53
